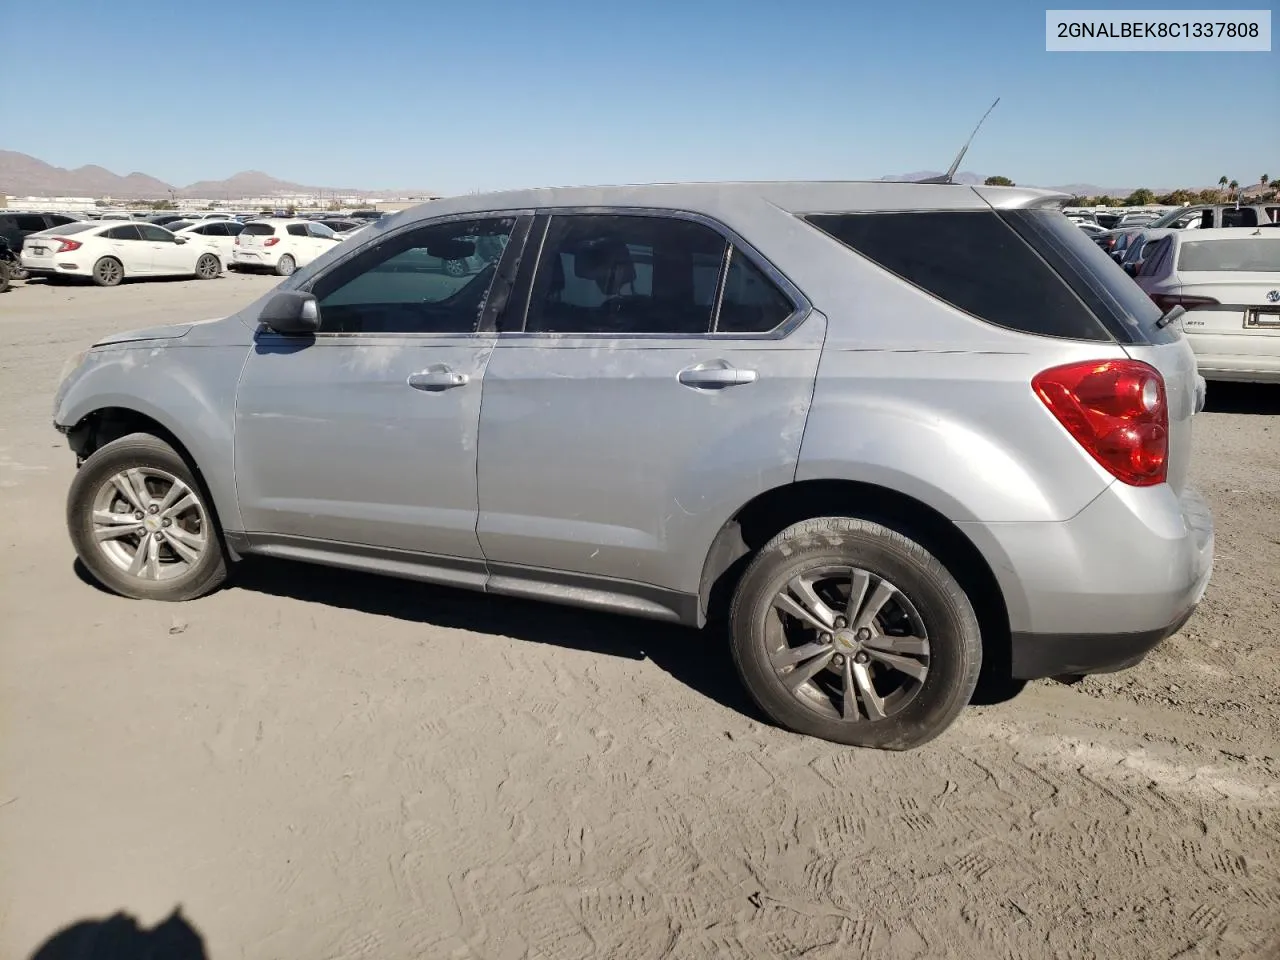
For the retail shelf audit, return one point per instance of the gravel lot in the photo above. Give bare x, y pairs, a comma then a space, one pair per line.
316, 764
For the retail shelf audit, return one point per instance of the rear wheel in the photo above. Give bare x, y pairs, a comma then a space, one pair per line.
846, 630
140, 522
207, 267
108, 272
285, 266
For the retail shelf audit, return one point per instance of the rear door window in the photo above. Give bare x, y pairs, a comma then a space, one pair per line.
751, 302
30, 224
297, 229
978, 263
127, 232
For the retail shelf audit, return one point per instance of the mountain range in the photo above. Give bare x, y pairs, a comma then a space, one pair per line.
26, 176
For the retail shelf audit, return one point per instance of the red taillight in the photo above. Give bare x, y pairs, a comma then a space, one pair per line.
1116, 410
1167, 301
65, 245
237, 241
270, 241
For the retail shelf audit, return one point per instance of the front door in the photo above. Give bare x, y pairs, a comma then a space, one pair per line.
661, 380
364, 436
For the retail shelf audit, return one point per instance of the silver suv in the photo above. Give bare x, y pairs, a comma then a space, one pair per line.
887, 430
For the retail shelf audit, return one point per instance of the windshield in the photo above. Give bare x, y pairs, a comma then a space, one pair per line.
1247, 255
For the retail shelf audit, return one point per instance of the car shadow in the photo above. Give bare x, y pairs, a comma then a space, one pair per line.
698, 659
120, 937
1249, 398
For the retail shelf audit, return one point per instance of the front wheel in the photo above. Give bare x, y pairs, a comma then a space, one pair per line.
140, 522
846, 630
285, 266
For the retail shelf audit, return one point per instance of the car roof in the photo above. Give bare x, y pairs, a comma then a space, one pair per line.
791, 196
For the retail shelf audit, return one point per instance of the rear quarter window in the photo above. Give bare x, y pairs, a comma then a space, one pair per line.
974, 261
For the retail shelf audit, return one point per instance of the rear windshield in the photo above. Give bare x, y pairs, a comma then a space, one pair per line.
260, 229
1246, 255
74, 227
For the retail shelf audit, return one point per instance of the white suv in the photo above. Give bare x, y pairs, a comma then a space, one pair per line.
281, 245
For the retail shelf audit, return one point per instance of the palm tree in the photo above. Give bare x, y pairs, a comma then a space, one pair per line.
1235, 191
1222, 183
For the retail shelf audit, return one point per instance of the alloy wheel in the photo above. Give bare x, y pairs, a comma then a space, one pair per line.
150, 524
847, 644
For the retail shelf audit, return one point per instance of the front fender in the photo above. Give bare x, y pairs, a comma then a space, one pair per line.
189, 392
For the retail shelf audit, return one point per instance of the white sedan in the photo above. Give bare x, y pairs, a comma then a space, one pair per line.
108, 251
220, 234
281, 245
1228, 282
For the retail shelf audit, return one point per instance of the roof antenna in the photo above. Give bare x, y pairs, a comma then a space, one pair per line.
955, 164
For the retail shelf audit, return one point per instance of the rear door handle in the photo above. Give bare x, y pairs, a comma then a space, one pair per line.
437, 378
715, 374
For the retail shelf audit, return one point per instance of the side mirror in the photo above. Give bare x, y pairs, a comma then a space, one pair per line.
291, 313
178, 239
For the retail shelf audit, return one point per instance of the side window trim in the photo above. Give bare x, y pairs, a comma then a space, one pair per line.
801, 306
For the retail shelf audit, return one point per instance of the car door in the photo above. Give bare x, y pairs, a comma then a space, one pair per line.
361, 439
167, 255
660, 379
321, 239
125, 243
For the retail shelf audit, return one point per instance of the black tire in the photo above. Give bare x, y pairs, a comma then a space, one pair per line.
93, 482
760, 633
285, 266
108, 272
207, 267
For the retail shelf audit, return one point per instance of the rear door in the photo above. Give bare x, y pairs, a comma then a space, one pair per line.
125, 243
660, 379
167, 255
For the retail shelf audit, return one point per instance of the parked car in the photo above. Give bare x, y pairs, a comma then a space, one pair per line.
281, 245
1091, 229
885, 429
1211, 215
340, 224
1140, 246
15, 226
164, 219
220, 234
107, 252
1227, 284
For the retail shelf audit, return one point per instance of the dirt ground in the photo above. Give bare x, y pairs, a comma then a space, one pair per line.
318, 764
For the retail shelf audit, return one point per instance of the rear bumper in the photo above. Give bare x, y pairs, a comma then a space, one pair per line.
1097, 592
1055, 654
1246, 357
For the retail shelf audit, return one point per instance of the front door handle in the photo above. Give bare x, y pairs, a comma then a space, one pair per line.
438, 377
716, 374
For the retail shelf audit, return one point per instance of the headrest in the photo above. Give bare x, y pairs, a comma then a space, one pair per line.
608, 262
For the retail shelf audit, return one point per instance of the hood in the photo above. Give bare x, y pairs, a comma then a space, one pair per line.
169, 332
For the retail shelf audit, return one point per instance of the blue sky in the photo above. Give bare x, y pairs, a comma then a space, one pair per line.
489, 94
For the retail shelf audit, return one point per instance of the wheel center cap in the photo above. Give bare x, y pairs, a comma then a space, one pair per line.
151, 523
847, 640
